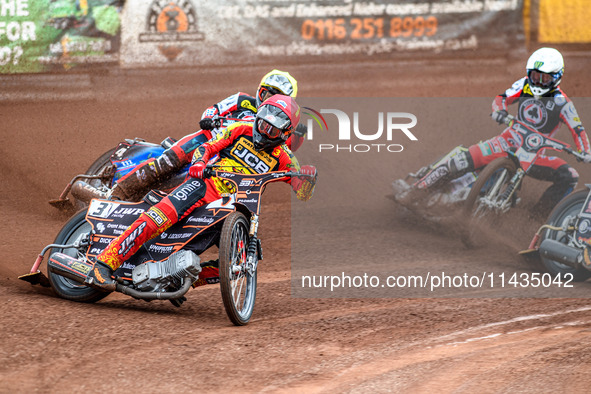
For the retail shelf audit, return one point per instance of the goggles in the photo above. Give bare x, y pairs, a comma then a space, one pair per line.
266, 92
540, 79
270, 131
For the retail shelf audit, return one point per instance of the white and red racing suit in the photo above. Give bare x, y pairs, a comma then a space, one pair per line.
545, 114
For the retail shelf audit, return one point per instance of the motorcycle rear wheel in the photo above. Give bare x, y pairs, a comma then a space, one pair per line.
238, 287
569, 206
492, 181
64, 287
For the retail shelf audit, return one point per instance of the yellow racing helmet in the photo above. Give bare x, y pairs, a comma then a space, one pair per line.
276, 82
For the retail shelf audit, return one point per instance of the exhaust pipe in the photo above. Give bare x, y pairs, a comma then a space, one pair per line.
77, 270
85, 192
557, 251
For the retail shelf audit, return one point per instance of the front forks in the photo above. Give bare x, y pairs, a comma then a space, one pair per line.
254, 246
503, 202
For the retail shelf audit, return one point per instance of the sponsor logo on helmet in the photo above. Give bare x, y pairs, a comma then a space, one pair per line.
538, 64
282, 103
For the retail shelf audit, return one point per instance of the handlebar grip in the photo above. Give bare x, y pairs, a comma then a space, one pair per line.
509, 119
208, 172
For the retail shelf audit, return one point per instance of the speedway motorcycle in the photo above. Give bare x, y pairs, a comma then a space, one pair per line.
561, 245
480, 196
105, 171
167, 266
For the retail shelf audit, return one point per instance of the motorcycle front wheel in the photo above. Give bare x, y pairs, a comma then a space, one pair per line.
237, 284
567, 208
62, 286
481, 205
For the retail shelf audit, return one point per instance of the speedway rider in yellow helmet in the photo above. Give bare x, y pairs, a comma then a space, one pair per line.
238, 107
276, 82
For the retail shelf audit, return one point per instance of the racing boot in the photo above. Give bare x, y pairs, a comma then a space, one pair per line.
134, 185
148, 225
100, 277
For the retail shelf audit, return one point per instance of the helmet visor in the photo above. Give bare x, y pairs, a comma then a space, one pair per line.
540, 79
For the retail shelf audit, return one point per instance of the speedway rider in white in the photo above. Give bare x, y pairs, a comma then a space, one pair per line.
541, 105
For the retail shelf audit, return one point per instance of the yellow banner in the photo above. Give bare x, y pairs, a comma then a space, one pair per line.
565, 21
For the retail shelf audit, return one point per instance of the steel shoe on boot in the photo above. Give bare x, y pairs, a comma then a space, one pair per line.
100, 277
120, 192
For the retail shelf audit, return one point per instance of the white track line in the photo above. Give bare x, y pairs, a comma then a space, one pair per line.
514, 320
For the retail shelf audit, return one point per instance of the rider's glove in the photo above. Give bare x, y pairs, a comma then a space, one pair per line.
304, 185
499, 116
206, 124
301, 130
310, 175
196, 170
310, 171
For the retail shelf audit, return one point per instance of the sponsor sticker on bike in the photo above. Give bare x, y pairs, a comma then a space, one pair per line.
102, 209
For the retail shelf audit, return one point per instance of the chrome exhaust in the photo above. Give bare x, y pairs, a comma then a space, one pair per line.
557, 251
85, 192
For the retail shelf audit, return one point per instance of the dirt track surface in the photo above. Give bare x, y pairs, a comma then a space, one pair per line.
292, 344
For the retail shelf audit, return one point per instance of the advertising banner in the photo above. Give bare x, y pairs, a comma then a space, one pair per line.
188, 32
564, 22
48, 35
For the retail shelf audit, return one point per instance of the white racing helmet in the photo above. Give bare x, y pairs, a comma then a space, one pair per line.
545, 68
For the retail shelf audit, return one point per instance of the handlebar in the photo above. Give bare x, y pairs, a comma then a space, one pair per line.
211, 169
510, 120
218, 121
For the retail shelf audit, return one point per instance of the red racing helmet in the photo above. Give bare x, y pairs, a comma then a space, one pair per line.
276, 118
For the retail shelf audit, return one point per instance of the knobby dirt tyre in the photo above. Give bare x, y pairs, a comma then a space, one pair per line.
568, 206
238, 287
503, 166
64, 287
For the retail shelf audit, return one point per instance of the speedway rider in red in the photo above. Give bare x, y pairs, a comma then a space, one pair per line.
543, 106
257, 147
238, 107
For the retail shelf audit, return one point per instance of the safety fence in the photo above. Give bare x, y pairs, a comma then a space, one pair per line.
54, 35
